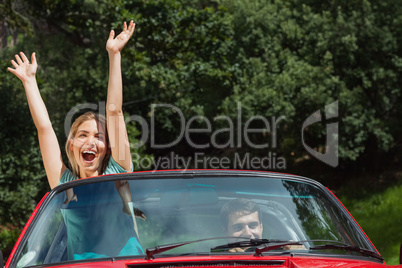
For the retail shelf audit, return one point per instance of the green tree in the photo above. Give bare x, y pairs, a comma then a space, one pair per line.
297, 56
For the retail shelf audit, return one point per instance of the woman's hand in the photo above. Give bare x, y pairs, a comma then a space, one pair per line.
115, 45
24, 70
48, 143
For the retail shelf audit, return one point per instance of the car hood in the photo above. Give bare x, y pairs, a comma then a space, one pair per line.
234, 261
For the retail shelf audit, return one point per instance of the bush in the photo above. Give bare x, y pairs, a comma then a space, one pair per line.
8, 237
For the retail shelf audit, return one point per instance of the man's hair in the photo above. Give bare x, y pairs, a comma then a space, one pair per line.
241, 206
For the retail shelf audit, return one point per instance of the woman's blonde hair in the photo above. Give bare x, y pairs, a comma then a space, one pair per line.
101, 120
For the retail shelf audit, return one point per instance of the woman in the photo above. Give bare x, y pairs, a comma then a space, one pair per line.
93, 147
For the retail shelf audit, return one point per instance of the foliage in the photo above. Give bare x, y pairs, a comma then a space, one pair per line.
8, 236
379, 216
299, 56
179, 58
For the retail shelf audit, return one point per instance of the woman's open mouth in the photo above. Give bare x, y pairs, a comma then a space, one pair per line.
88, 156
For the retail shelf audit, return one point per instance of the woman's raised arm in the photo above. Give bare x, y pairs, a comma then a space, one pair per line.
48, 143
118, 138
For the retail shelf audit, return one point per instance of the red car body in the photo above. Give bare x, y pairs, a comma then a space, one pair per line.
201, 193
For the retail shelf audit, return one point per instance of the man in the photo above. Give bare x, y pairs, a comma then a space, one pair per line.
242, 218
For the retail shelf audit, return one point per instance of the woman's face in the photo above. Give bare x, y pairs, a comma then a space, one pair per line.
89, 146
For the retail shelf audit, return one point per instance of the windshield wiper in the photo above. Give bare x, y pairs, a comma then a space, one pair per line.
248, 243
366, 252
263, 245
150, 252
333, 245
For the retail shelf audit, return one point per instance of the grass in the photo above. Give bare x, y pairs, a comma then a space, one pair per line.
380, 216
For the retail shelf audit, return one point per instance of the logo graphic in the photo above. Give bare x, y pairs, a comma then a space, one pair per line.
237, 132
330, 156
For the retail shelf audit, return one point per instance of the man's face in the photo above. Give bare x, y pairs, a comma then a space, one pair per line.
244, 225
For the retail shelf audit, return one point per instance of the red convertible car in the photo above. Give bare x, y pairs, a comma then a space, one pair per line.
193, 218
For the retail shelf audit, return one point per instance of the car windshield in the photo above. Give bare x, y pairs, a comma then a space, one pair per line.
89, 222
